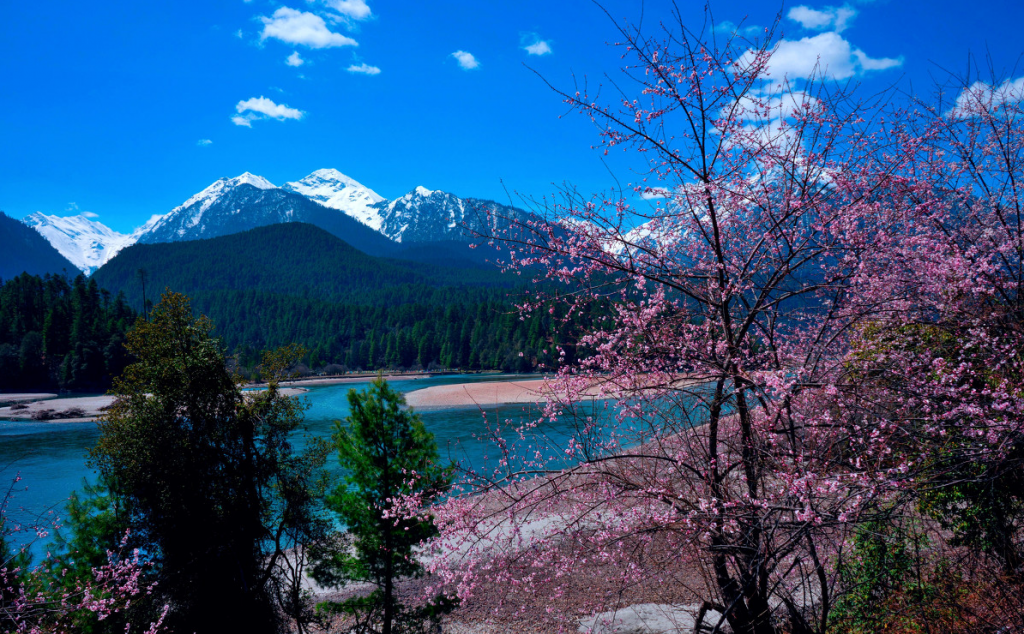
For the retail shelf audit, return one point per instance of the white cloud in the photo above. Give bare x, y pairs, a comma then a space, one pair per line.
538, 48
204, 142
533, 45
89, 214
831, 18
826, 54
364, 69
72, 207
295, 59
466, 60
980, 97
239, 34
262, 108
299, 27
880, 63
355, 9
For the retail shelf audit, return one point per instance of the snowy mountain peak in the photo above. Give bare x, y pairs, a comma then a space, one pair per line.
84, 242
331, 188
197, 205
422, 214
224, 185
251, 179
331, 175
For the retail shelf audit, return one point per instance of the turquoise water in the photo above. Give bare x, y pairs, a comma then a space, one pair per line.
50, 458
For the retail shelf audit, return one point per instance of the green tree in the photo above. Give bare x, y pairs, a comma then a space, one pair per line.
200, 471
387, 453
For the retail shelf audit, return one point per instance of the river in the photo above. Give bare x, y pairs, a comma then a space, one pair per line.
50, 458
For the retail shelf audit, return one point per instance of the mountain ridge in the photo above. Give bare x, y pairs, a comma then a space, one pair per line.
326, 198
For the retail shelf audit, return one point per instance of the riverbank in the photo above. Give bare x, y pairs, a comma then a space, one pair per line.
527, 392
75, 409
482, 394
358, 378
11, 399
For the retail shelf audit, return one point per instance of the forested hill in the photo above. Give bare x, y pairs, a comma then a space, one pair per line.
60, 333
294, 259
25, 251
296, 283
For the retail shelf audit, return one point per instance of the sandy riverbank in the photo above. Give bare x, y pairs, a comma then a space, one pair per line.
20, 398
75, 409
484, 394
527, 391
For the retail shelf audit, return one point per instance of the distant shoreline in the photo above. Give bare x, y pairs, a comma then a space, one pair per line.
356, 378
42, 408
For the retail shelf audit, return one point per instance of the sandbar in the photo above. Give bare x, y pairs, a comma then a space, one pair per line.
75, 409
28, 396
532, 391
482, 393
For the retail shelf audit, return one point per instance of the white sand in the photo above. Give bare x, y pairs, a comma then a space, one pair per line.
481, 393
18, 398
92, 407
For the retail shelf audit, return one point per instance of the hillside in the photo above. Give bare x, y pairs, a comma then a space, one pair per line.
296, 283
26, 251
289, 259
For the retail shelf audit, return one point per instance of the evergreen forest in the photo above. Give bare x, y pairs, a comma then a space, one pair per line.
60, 333
273, 286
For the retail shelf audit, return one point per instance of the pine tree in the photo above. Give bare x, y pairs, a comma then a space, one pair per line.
387, 453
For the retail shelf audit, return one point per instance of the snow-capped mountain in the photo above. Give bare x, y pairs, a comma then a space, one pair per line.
425, 215
186, 221
233, 205
421, 215
84, 242
331, 188
326, 198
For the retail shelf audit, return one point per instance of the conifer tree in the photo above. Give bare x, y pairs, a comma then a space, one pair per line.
388, 454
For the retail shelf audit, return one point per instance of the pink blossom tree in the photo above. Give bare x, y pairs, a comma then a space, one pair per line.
44, 599
789, 229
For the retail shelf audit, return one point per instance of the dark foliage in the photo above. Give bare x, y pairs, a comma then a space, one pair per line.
206, 475
295, 283
56, 333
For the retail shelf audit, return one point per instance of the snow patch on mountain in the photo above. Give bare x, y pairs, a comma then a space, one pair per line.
422, 215
84, 242
331, 188
191, 211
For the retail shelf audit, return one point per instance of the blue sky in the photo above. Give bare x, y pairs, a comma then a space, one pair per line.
124, 109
